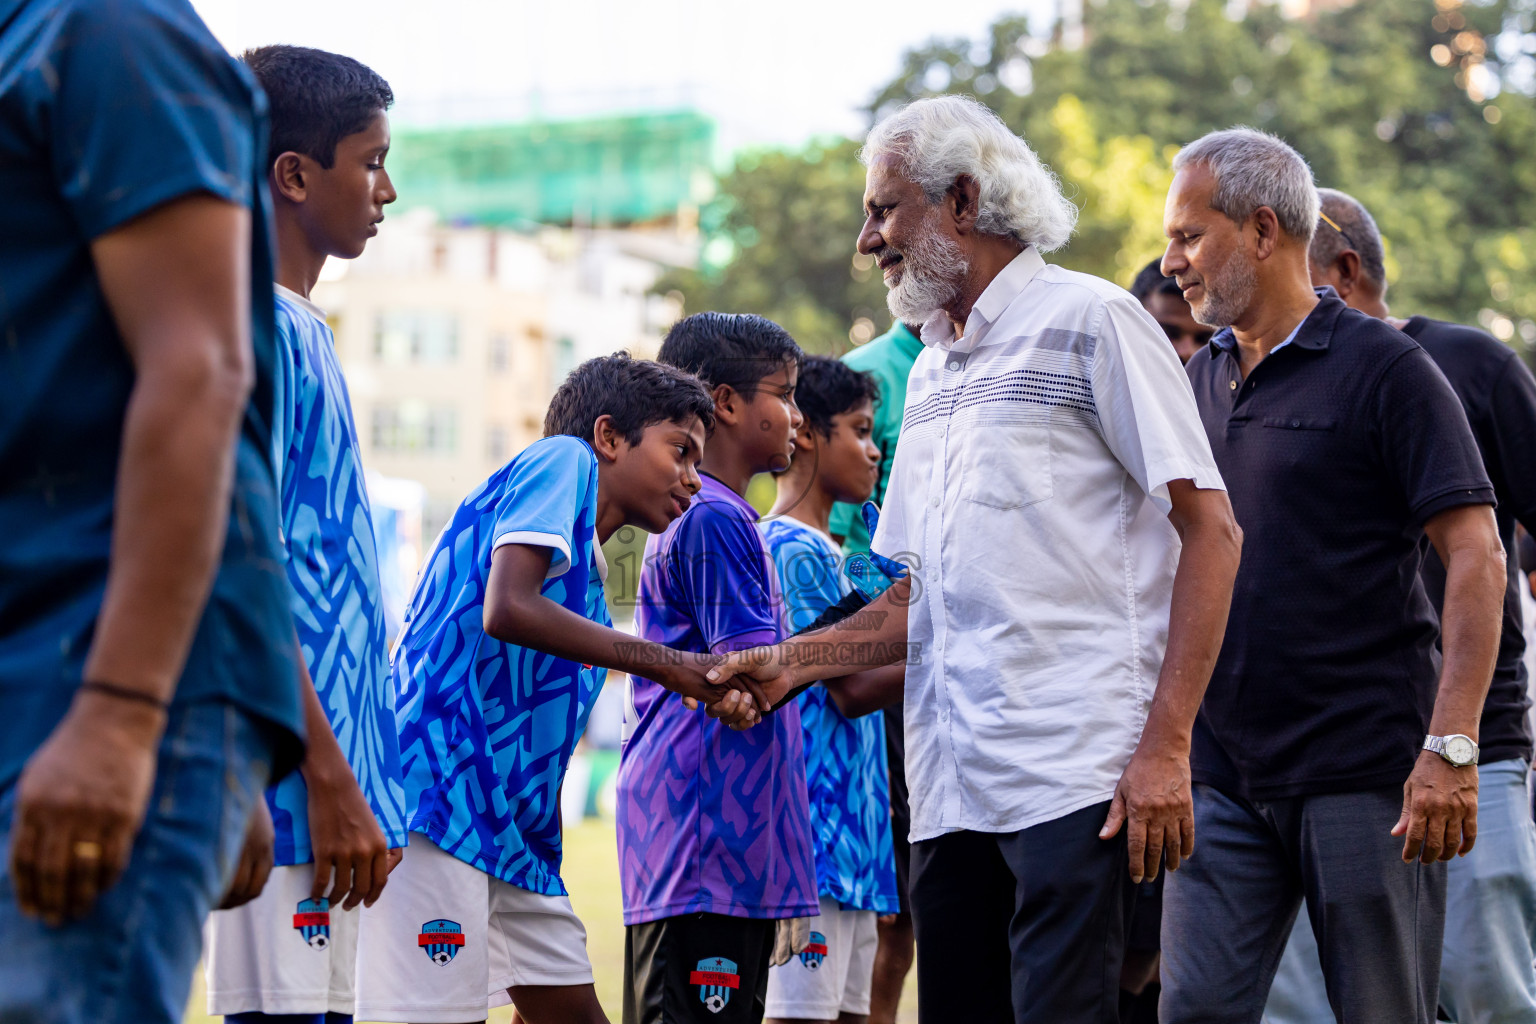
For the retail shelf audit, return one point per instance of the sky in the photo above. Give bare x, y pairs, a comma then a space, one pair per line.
771, 74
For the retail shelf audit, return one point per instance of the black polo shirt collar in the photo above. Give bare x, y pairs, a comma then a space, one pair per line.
1316, 331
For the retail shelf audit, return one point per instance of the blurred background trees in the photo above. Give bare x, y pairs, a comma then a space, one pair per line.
1423, 109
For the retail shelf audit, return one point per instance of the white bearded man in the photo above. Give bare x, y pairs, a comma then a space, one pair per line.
1072, 554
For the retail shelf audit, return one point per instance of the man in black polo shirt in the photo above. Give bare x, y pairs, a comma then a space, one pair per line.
1490, 925
1343, 448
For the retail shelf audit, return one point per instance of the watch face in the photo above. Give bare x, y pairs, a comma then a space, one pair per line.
1460, 749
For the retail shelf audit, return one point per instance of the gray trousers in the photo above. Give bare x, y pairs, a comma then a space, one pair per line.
1227, 913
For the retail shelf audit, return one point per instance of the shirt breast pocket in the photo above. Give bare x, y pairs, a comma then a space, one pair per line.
1007, 466
1296, 445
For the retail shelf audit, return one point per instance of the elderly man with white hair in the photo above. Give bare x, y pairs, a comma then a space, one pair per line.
1049, 465
1343, 448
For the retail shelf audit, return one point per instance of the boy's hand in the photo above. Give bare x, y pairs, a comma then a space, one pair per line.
255, 862
762, 671
346, 838
688, 676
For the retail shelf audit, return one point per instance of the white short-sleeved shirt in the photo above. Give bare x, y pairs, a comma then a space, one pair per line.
1029, 492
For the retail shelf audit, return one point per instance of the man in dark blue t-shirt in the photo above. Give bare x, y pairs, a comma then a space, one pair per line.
1343, 447
147, 677
1490, 911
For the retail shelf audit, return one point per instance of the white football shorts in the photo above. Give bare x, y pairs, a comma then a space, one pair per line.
835, 971
281, 953
446, 941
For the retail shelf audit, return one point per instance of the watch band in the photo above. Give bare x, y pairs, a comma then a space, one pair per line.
1437, 745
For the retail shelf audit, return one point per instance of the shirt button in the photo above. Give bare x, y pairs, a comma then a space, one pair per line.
1232, 385
954, 366
943, 714
1295, 424
934, 501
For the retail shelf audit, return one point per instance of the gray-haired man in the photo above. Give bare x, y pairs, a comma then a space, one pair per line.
1343, 447
1072, 551
1490, 912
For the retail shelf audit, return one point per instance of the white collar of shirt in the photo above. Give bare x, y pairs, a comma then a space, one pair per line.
599, 560
299, 300
994, 299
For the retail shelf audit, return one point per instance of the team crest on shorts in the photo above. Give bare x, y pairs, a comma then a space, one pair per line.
312, 920
815, 952
441, 940
716, 978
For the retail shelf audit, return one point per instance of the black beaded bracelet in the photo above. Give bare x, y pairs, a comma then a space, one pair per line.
125, 693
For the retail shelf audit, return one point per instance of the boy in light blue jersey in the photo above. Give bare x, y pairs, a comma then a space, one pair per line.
289, 956
845, 759
506, 643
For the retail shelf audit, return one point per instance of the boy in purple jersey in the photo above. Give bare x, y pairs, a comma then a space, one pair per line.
714, 826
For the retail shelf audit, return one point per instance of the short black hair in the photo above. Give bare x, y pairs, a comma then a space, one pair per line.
315, 98
635, 392
830, 387
1152, 281
738, 349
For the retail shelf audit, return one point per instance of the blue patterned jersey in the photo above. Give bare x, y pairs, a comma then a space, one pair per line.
845, 761
487, 728
333, 572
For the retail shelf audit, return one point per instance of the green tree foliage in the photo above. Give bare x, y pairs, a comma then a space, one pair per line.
781, 243
1423, 109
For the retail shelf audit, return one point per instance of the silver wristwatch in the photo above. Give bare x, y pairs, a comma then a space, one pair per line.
1459, 750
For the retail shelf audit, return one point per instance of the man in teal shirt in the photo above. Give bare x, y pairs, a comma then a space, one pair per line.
889, 360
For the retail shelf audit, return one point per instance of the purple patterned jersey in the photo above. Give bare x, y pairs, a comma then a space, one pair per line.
711, 820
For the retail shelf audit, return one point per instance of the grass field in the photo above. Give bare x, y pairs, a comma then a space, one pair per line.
591, 872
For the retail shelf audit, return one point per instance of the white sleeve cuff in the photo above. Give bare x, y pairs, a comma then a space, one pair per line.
559, 563
1205, 478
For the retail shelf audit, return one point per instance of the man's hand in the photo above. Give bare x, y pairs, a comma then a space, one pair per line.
1439, 810
1155, 803
346, 839
80, 802
255, 857
690, 676
759, 669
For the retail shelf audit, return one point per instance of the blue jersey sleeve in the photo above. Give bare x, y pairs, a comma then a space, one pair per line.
147, 107
722, 572
542, 499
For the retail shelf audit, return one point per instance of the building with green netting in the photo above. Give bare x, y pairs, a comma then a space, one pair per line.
608, 171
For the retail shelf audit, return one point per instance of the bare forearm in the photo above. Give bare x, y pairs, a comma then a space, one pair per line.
1197, 623
169, 520
870, 638
864, 693
540, 623
323, 758
1469, 638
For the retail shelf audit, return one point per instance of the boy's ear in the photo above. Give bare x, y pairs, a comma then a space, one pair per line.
728, 402
288, 177
805, 440
606, 438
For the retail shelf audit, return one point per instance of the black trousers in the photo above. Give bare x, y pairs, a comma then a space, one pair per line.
1022, 927
697, 967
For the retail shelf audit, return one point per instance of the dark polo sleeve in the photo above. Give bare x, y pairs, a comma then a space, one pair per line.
1513, 407
1424, 440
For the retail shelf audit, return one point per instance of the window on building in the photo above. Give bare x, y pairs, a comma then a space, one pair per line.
496, 443
415, 337
414, 427
500, 353
565, 359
